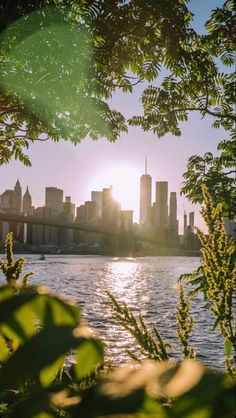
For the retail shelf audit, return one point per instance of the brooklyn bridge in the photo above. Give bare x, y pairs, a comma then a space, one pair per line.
119, 237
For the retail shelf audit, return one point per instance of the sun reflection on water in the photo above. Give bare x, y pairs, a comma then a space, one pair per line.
122, 278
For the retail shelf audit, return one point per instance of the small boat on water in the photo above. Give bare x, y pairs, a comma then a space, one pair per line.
42, 257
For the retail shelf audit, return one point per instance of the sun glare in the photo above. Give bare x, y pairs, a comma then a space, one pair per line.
124, 181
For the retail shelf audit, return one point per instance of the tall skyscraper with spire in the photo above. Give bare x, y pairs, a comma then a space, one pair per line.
145, 197
17, 198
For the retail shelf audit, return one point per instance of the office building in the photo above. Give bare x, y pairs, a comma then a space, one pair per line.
109, 208
80, 213
185, 222
27, 203
191, 221
6, 201
173, 223
161, 218
17, 198
126, 220
90, 211
54, 198
96, 196
69, 208
145, 198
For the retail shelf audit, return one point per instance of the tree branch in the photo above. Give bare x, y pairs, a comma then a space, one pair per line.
209, 112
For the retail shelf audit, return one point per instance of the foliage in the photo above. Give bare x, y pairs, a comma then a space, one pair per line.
200, 85
38, 329
216, 278
197, 85
137, 392
217, 173
185, 325
60, 64
48, 84
151, 344
12, 269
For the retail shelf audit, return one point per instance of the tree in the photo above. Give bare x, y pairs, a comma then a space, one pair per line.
201, 86
61, 63
217, 173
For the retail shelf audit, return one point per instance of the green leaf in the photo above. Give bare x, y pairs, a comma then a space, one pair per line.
38, 400
88, 357
6, 292
48, 374
228, 348
54, 311
39, 352
11, 304
4, 351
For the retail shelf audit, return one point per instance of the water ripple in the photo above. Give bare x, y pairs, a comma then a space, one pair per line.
148, 285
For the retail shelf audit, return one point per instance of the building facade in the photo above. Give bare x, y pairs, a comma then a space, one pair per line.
191, 221
69, 208
161, 207
145, 198
173, 222
17, 198
96, 196
109, 208
54, 198
27, 203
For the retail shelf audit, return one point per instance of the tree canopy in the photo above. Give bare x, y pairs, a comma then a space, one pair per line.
61, 60
60, 64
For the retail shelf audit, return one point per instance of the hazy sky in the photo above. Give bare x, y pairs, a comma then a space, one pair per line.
94, 165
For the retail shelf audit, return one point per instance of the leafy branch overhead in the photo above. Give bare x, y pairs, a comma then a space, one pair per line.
217, 173
198, 85
62, 61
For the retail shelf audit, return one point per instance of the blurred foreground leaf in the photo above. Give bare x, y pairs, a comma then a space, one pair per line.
39, 352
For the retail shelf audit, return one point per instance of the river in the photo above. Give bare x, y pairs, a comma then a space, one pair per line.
149, 285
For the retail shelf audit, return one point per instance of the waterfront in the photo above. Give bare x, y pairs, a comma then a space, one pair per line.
147, 284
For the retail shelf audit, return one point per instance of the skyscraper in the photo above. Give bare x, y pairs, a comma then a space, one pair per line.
90, 211
161, 218
27, 203
173, 223
96, 196
6, 199
185, 221
17, 198
69, 207
145, 197
54, 198
110, 208
191, 221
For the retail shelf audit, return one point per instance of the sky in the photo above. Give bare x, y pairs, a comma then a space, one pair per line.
94, 165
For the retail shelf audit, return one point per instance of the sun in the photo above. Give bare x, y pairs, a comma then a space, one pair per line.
124, 180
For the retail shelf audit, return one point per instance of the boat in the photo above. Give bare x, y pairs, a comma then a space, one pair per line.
42, 257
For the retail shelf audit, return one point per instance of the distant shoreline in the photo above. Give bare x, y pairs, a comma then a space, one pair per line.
158, 253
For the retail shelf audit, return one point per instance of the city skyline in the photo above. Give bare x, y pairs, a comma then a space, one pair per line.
83, 168
161, 211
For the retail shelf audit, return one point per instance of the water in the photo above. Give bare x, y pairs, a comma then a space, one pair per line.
147, 284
